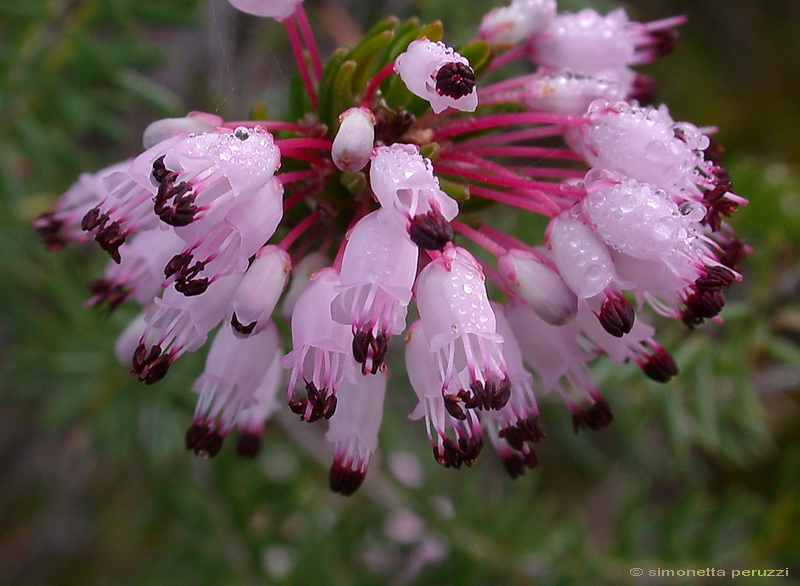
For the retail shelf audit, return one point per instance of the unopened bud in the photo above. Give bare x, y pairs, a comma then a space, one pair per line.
192, 123
521, 20
616, 314
353, 144
130, 339
581, 256
540, 286
258, 293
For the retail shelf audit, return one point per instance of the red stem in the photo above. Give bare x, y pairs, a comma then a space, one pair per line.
298, 230
478, 238
304, 143
485, 121
513, 136
293, 176
298, 196
548, 209
510, 180
527, 151
375, 83
507, 57
554, 172
309, 40
299, 57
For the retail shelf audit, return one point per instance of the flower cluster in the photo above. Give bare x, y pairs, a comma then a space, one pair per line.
369, 207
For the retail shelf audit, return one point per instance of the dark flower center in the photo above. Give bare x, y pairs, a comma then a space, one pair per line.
455, 80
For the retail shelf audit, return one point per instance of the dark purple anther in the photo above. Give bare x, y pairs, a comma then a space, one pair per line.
455, 80
430, 231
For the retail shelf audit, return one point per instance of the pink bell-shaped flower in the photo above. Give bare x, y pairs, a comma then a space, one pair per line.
586, 42
405, 186
353, 431
508, 25
127, 203
436, 73
63, 224
204, 175
321, 355
461, 328
554, 353
234, 371
521, 406
645, 144
261, 287
426, 379
250, 420
178, 324
218, 246
139, 273
565, 92
377, 274
581, 257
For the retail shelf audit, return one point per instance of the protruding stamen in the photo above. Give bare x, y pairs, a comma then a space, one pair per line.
150, 365
596, 417
616, 315
190, 287
430, 231
370, 350
111, 237
516, 462
715, 278
248, 445
93, 219
245, 330
455, 80
733, 253
345, 480
203, 441
181, 211
50, 229
452, 404
665, 41
486, 395
470, 448
702, 304
448, 454
323, 404
660, 366
160, 172
525, 430
644, 89
103, 290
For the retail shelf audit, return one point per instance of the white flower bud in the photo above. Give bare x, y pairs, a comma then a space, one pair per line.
262, 285
508, 25
192, 123
352, 146
540, 286
580, 256
129, 340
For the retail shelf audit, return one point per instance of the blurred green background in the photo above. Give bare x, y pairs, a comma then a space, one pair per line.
95, 486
